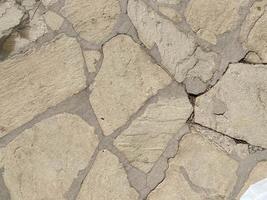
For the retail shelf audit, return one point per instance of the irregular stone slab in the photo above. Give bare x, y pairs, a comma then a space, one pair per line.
173, 45
210, 18
107, 180
225, 143
92, 19
197, 172
171, 13
236, 105
42, 162
255, 31
53, 20
146, 138
10, 16
258, 173
91, 58
125, 81
37, 80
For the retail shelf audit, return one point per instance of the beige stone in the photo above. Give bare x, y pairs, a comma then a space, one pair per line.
10, 17
92, 19
257, 38
146, 138
242, 90
42, 162
48, 3
107, 180
91, 58
168, 1
33, 82
174, 46
170, 13
53, 20
197, 172
257, 174
210, 18
125, 81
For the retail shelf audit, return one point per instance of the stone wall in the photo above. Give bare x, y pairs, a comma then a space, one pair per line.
132, 99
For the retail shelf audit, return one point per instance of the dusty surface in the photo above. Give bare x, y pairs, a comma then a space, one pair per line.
132, 99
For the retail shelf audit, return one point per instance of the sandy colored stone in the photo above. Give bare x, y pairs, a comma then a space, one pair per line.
91, 58
197, 172
42, 161
33, 82
168, 1
48, 3
107, 180
210, 18
10, 16
257, 174
127, 78
92, 19
170, 13
173, 45
146, 138
53, 20
242, 90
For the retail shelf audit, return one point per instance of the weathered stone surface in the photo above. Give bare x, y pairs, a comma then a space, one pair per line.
210, 18
173, 45
223, 142
147, 136
254, 32
257, 174
125, 81
10, 16
243, 96
48, 3
53, 20
170, 13
107, 180
92, 19
197, 172
35, 81
42, 162
91, 58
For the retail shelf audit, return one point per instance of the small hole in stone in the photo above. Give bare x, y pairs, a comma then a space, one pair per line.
259, 8
102, 118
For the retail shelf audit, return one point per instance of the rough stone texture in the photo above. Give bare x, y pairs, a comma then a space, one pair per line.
92, 19
147, 136
242, 94
42, 162
125, 81
257, 174
35, 81
92, 58
210, 18
170, 13
197, 172
53, 20
10, 16
107, 180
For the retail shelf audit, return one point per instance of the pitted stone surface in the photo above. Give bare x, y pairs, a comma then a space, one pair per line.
93, 20
35, 81
107, 180
242, 93
42, 162
146, 138
210, 18
125, 81
197, 172
92, 58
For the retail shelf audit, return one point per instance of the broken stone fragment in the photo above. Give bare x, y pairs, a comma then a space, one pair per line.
93, 20
210, 18
91, 58
41, 78
10, 16
53, 20
107, 180
42, 161
197, 172
242, 97
258, 173
125, 81
147, 136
